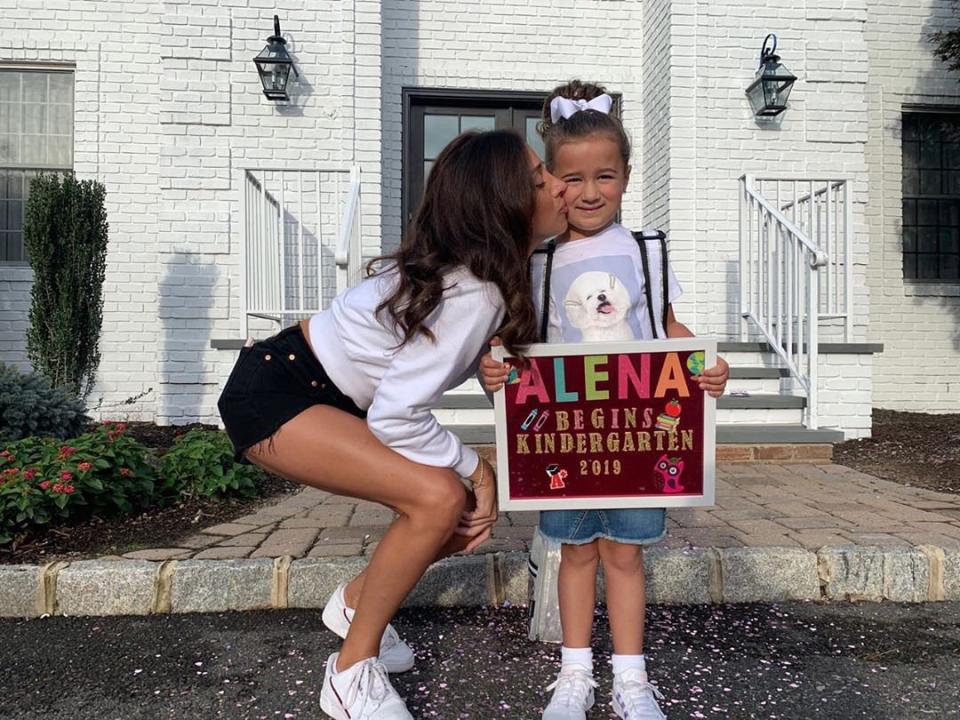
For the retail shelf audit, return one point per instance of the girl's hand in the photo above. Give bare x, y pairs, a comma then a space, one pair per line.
493, 373
714, 380
477, 521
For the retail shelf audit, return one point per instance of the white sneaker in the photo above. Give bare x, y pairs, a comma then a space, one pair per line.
573, 694
361, 692
635, 697
395, 654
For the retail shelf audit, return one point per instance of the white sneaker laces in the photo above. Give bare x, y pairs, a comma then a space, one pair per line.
390, 639
374, 676
572, 687
640, 697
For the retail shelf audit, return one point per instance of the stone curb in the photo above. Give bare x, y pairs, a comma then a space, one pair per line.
674, 576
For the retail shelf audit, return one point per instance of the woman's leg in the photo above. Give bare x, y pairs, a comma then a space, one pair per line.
626, 594
334, 451
577, 591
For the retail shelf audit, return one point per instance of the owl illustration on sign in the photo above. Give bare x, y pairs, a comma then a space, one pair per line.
670, 470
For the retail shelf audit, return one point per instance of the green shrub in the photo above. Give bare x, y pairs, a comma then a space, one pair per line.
201, 463
65, 235
103, 472
31, 406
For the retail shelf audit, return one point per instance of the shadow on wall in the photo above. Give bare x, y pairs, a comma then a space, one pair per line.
187, 297
937, 83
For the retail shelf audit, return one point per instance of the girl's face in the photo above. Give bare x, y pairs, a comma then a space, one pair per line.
596, 179
550, 211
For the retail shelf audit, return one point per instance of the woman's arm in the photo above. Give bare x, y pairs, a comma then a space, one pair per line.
423, 369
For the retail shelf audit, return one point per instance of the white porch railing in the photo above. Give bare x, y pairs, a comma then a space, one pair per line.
300, 242
796, 268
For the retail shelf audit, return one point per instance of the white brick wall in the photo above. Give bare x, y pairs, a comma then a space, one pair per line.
168, 111
168, 106
529, 46
822, 133
918, 324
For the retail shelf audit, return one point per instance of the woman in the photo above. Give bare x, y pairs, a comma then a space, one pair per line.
342, 401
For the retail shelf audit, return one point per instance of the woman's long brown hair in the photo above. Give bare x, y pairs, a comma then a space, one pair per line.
476, 212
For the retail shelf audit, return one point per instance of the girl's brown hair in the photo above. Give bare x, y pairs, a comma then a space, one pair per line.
581, 124
477, 211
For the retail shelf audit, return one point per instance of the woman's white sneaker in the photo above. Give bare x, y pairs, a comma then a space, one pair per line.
572, 694
395, 654
361, 692
635, 697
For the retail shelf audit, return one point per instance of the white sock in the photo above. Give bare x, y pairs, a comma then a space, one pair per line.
577, 656
628, 662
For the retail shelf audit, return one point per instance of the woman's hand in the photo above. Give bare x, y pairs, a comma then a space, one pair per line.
714, 380
477, 521
493, 373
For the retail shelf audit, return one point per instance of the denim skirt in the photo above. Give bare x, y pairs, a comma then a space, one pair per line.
272, 382
634, 526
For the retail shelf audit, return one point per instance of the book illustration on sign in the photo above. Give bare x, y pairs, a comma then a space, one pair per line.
670, 469
669, 419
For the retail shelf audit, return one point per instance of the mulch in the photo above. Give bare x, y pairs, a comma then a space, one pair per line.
154, 528
913, 449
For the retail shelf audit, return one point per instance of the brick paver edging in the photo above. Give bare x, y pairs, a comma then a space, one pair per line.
675, 576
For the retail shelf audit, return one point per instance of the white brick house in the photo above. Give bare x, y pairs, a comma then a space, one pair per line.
168, 113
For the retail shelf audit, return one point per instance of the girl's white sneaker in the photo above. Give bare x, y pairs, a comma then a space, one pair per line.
361, 692
572, 694
395, 654
635, 697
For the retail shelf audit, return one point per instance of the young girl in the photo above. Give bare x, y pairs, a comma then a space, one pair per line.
596, 274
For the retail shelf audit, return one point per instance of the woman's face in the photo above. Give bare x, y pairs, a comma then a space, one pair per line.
550, 210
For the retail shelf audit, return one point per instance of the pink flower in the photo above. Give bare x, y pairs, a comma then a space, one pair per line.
10, 472
45, 485
66, 476
68, 489
126, 472
29, 474
57, 488
66, 451
84, 466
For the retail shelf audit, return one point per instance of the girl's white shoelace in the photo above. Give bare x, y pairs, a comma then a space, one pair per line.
572, 686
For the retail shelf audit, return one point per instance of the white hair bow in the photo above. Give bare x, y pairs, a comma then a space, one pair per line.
561, 107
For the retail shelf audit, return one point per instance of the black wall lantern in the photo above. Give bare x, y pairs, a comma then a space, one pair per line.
274, 65
769, 91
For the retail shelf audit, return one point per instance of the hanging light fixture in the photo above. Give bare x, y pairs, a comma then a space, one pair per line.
770, 89
274, 65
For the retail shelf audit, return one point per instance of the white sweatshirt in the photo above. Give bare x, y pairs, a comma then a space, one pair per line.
397, 388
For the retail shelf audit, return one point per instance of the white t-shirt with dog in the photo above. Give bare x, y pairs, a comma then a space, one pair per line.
596, 288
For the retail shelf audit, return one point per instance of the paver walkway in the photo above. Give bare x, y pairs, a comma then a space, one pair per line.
758, 505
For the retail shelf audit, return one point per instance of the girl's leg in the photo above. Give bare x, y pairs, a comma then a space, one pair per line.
329, 449
626, 594
577, 591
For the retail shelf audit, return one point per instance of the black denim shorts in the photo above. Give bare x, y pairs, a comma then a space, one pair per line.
272, 382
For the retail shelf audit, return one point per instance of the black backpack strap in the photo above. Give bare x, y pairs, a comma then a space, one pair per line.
663, 278
548, 267
641, 238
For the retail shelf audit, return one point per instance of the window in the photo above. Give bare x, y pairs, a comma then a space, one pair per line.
434, 118
36, 134
931, 196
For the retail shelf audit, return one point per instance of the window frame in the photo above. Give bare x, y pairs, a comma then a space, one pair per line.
927, 284
36, 168
417, 101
